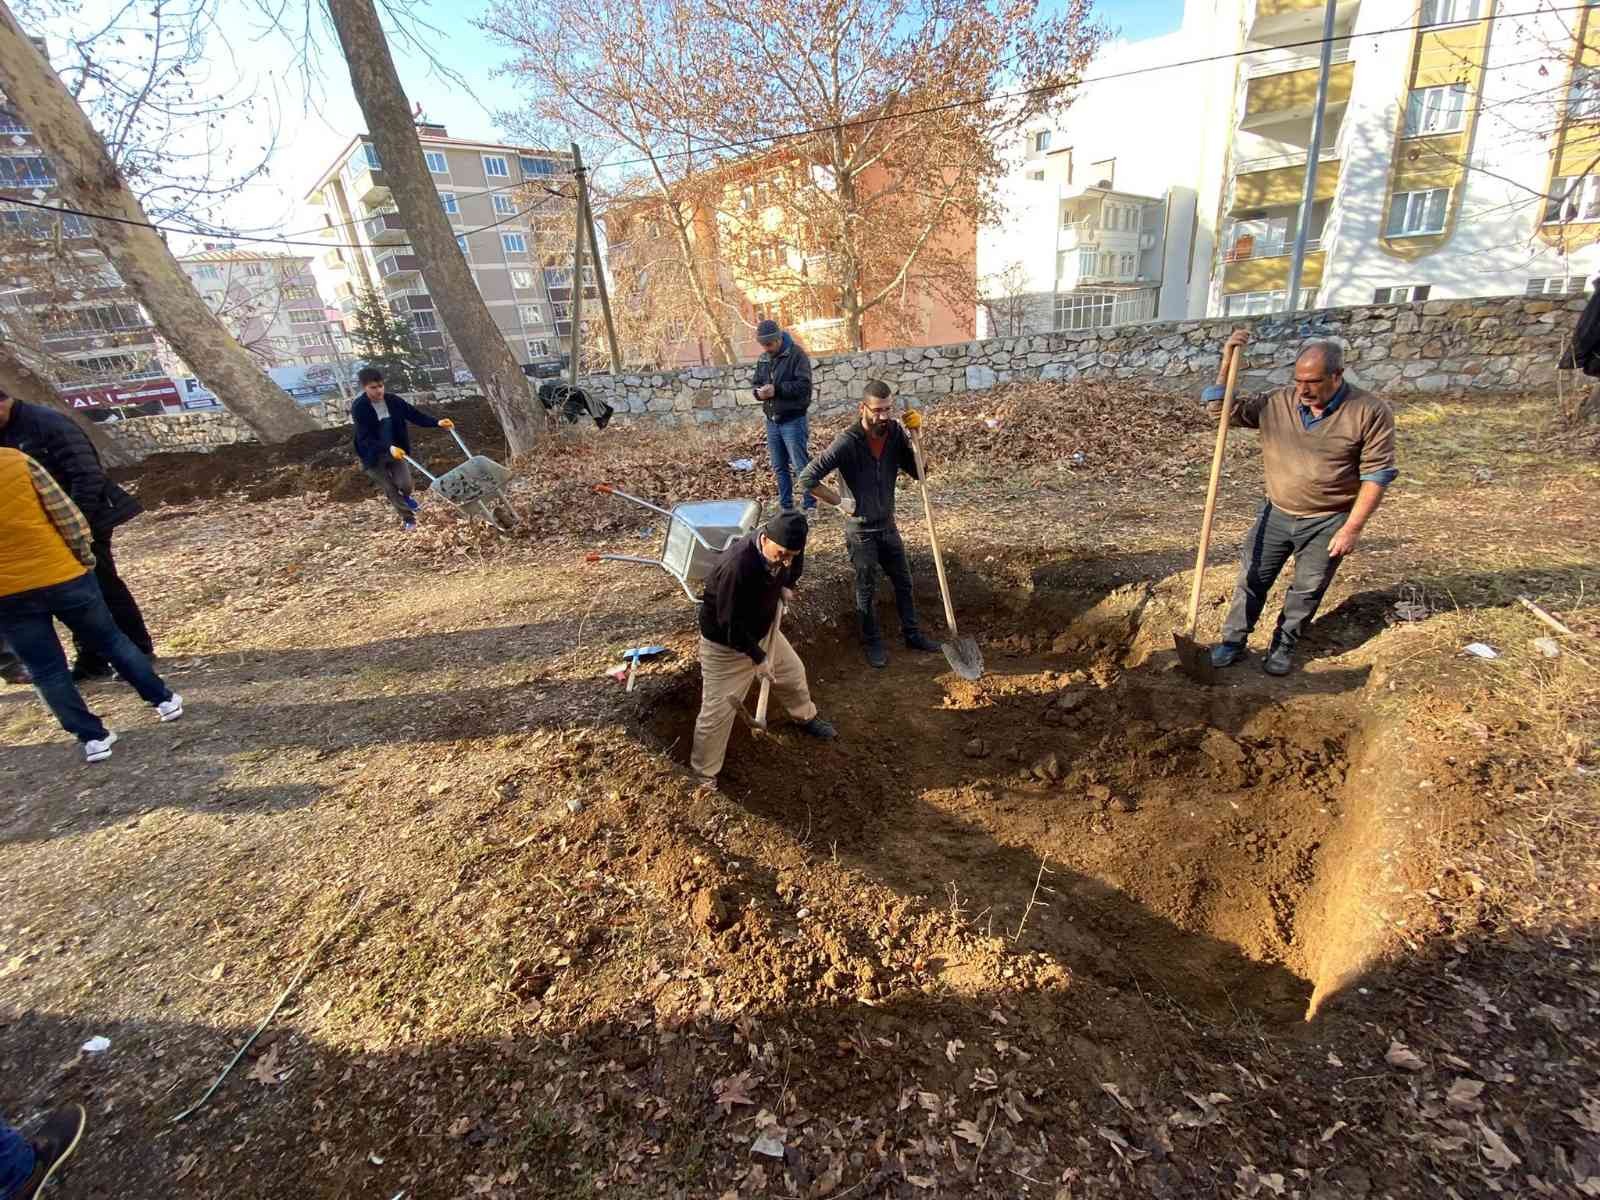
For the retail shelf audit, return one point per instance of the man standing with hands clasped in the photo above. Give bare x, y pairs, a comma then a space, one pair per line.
869, 456
1327, 451
782, 383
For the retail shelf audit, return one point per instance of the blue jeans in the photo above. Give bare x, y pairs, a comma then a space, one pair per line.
27, 623
16, 1161
786, 447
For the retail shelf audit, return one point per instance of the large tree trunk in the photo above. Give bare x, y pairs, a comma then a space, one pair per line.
456, 299
88, 180
22, 381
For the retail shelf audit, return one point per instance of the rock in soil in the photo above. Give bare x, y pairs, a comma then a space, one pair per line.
710, 908
976, 748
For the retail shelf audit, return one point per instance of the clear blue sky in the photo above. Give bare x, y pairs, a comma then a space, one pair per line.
1140, 18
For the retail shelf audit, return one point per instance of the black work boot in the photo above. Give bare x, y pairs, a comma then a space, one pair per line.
876, 654
1280, 658
58, 1138
917, 640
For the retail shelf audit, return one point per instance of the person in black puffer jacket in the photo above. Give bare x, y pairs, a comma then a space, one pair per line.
783, 385
54, 441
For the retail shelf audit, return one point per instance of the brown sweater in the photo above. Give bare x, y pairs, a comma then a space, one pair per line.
1318, 471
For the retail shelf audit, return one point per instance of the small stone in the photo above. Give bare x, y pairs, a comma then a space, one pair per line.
976, 748
1048, 768
710, 909
1071, 700
574, 805
1127, 803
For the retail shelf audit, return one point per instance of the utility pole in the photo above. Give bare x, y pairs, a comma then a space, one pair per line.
586, 218
577, 274
1291, 299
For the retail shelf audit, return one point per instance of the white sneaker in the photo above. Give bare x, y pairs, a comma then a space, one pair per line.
170, 710
101, 750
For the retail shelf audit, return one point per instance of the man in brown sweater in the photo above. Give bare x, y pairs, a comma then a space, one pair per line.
1327, 450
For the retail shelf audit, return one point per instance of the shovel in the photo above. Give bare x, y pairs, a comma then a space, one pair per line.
1193, 657
758, 723
965, 659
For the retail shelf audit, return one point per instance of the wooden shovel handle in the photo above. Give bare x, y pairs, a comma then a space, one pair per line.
933, 533
766, 680
1211, 489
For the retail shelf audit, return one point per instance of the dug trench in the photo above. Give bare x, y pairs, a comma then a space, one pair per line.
1084, 800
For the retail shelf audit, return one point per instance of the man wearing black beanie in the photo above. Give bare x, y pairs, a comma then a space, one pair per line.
744, 590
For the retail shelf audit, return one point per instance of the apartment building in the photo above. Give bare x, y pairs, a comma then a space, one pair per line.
1457, 155
269, 301
63, 307
513, 211
758, 254
1098, 202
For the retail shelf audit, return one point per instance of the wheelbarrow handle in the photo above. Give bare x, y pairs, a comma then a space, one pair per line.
459, 442
611, 489
396, 452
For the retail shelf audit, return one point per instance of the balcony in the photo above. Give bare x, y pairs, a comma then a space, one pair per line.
1292, 158
1247, 249
385, 228
1288, 91
399, 270
1267, 273
369, 186
1278, 187
1088, 235
344, 291
334, 260
413, 301
1270, 61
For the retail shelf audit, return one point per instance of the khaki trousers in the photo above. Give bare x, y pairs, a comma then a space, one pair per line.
727, 675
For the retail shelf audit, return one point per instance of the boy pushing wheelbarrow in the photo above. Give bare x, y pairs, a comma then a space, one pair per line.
380, 419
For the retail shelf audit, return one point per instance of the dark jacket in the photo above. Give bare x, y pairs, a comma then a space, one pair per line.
55, 442
371, 448
741, 596
789, 372
1584, 350
870, 480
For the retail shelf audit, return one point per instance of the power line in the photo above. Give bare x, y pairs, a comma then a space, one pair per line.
1043, 89
767, 139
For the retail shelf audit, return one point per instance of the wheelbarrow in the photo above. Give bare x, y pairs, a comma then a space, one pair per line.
697, 532
475, 485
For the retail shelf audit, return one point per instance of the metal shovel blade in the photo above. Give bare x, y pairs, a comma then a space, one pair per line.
965, 659
1195, 659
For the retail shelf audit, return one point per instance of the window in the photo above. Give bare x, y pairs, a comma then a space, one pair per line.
101, 318
255, 270
1415, 213
425, 322
522, 280
558, 277
448, 201
495, 167
1408, 294
1087, 259
461, 240
1258, 237
1443, 12
11, 123
1084, 310
514, 243
1436, 110
305, 316
1573, 198
26, 170
561, 312
538, 349
1041, 141
1036, 176
536, 166
309, 340
1251, 304
436, 162
209, 273
504, 205
74, 226
1127, 266
1556, 285
588, 272
531, 314
1583, 96
300, 292
365, 158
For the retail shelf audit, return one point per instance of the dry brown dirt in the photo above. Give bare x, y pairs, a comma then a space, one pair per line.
1054, 933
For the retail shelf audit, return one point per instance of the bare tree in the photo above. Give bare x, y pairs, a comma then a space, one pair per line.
627, 75
865, 215
389, 124
1005, 300
88, 180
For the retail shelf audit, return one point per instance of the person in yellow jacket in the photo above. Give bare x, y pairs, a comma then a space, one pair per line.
46, 575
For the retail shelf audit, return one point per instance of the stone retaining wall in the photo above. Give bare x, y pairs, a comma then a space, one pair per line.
1500, 343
